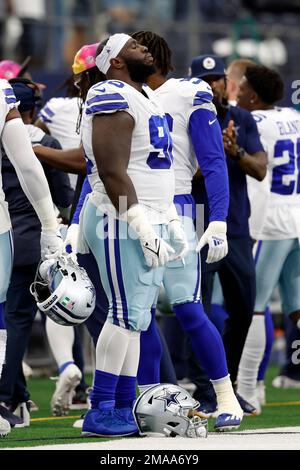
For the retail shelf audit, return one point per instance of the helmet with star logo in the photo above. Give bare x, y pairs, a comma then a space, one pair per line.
168, 410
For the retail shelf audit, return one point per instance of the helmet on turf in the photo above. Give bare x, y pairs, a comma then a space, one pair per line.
63, 291
168, 410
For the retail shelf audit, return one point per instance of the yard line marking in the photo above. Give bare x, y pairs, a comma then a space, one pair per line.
54, 418
288, 403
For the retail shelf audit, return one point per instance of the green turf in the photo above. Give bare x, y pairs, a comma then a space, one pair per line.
60, 431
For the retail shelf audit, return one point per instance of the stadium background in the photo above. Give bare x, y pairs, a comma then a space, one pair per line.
52, 31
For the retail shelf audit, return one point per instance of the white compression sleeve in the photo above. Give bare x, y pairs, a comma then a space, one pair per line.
112, 348
17, 145
252, 356
61, 341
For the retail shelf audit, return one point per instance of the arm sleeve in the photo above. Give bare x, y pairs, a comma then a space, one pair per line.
86, 189
207, 141
30, 173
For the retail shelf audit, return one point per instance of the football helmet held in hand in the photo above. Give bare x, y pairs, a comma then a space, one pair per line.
63, 291
168, 410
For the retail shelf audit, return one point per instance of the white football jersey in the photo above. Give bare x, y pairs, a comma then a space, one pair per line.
279, 130
60, 116
7, 102
179, 99
150, 164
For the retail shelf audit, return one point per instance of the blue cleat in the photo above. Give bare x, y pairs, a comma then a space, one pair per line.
227, 422
248, 409
127, 414
106, 421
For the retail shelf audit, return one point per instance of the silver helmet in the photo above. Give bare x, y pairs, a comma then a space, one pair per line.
168, 410
63, 291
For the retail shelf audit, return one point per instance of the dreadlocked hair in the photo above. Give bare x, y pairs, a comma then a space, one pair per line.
89, 78
158, 48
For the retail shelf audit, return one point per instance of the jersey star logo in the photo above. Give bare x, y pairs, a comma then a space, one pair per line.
168, 398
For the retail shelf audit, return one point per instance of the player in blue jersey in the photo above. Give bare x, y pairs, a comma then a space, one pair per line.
197, 141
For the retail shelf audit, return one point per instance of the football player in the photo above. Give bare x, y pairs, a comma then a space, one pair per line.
197, 140
125, 220
277, 251
16, 143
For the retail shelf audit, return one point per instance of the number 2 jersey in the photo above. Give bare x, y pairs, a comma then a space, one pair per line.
279, 130
7, 102
150, 164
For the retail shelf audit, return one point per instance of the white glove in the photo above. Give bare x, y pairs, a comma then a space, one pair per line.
177, 235
51, 244
72, 238
215, 236
156, 251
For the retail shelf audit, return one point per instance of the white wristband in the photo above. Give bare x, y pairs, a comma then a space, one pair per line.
136, 218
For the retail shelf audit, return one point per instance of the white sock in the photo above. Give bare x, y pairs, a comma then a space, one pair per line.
111, 349
226, 399
252, 356
61, 340
3, 338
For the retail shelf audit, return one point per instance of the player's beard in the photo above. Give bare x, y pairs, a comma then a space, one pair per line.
139, 71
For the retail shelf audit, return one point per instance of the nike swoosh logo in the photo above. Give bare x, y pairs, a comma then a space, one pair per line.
102, 90
211, 122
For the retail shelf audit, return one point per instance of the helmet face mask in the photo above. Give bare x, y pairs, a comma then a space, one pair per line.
63, 291
168, 410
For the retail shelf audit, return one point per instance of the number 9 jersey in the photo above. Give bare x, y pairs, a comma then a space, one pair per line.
279, 130
150, 164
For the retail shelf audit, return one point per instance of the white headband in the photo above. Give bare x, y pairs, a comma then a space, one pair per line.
111, 51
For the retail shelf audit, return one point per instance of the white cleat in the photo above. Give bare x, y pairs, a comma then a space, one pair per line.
282, 381
4, 427
65, 386
230, 415
23, 411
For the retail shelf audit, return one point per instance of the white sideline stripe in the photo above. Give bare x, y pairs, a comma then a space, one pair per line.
284, 438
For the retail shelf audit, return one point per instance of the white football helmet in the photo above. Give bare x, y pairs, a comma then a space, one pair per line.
168, 410
63, 291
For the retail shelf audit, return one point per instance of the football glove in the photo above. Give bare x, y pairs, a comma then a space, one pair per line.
177, 235
51, 244
156, 251
215, 236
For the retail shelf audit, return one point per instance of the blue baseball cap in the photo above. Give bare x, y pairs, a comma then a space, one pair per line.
29, 97
204, 65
